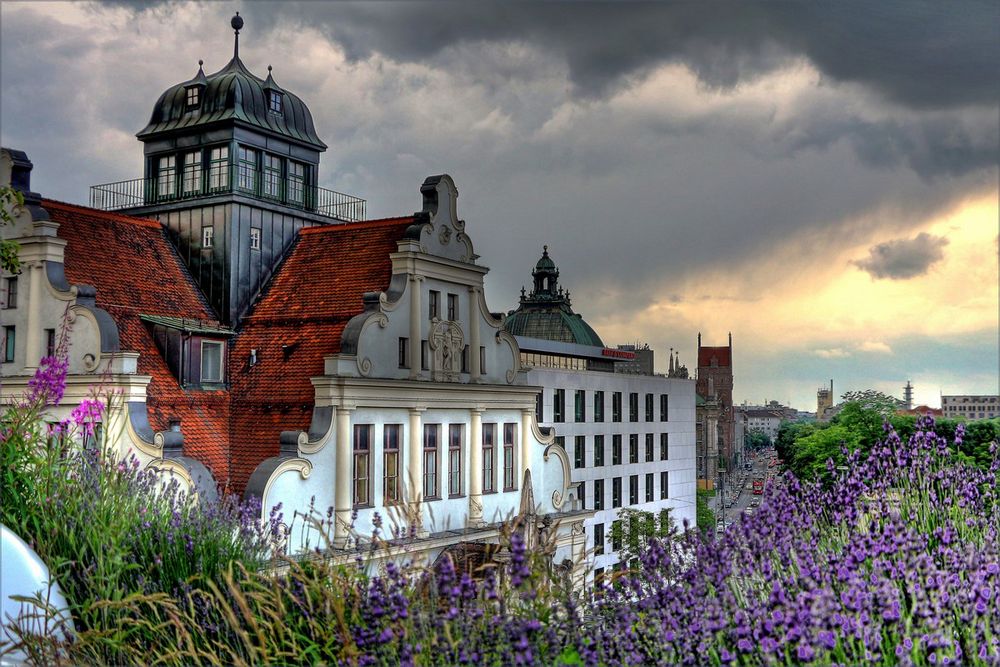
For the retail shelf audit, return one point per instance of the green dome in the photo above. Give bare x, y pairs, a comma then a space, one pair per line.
546, 312
233, 94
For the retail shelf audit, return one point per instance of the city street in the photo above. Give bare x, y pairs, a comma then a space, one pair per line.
738, 490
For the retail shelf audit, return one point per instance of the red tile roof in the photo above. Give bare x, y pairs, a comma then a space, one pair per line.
315, 292
721, 355
137, 272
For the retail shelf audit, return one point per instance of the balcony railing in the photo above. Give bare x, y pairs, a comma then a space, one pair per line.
180, 187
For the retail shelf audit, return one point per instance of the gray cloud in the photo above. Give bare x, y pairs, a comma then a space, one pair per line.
901, 259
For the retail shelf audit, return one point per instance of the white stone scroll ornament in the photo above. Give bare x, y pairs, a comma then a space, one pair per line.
447, 343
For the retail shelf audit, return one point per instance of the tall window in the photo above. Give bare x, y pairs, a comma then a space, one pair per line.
207, 236
192, 97
633, 407
509, 443
616, 406
598, 494
432, 433
296, 182
633, 447
633, 490
255, 238
616, 449
455, 460
489, 457
664, 407
247, 173
11, 293
272, 176
598, 540
218, 168
434, 305
649, 407
452, 307
664, 494
192, 172
390, 463
166, 181
580, 405
616, 492
616, 537
211, 361
649, 447
50, 342
649, 487
362, 460
559, 405
580, 452
274, 102
664, 447
539, 407
598, 450
8, 344
404, 352
425, 355
598, 406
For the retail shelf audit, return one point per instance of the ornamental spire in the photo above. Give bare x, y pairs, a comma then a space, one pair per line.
237, 24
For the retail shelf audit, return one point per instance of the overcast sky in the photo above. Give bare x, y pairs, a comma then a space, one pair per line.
819, 179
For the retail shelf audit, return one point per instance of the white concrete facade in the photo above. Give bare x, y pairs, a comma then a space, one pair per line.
678, 428
968, 406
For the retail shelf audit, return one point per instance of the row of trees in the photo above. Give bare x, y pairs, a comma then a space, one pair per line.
805, 447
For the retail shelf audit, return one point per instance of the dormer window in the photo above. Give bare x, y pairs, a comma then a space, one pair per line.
274, 103
193, 97
211, 362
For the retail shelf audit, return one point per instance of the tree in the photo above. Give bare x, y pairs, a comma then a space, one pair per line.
632, 531
704, 513
870, 399
9, 199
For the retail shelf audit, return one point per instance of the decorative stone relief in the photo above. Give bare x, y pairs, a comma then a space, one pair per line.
447, 343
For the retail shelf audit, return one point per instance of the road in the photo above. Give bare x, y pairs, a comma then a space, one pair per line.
739, 489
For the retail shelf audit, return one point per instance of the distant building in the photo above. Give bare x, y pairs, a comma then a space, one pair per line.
824, 403
921, 411
640, 364
630, 436
763, 421
715, 386
970, 407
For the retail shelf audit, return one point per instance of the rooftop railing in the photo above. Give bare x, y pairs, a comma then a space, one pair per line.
177, 187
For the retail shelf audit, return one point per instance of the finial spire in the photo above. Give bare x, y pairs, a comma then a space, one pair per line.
237, 24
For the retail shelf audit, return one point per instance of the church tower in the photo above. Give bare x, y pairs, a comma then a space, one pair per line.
231, 169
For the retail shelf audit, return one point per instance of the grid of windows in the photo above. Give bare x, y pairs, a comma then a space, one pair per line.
598, 406
616, 492
649, 487
664, 407
509, 443
598, 494
580, 452
390, 463
489, 457
431, 437
362, 467
218, 168
649, 447
664, 446
558, 405
272, 176
455, 460
246, 175
598, 450
616, 449
633, 447
193, 96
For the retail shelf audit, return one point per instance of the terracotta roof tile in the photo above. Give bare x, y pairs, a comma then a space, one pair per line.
721, 355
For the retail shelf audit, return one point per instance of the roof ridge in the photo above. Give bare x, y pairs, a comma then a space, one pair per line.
111, 215
381, 222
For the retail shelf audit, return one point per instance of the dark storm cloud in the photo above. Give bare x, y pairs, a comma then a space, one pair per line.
901, 259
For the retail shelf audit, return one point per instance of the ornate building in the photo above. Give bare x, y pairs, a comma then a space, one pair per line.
715, 386
267, 340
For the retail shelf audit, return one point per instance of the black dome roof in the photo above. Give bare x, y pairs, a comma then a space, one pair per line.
233, 94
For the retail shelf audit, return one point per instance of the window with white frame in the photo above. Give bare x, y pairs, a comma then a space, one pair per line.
432, 435
454, 460
207, 236
489, 457
390, 463
362, 464
211, 361
509, 456
255, 238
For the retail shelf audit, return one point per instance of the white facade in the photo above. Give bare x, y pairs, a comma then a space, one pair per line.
591, 443
763, 421
413, 374
970, 407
